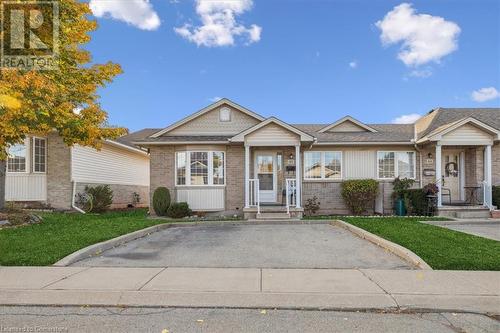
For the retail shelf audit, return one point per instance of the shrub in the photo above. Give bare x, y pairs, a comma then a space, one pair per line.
311, 206
416, 201
179, 210
359, 194
431, 189
496, 196
161, 201
102, 197
401, 186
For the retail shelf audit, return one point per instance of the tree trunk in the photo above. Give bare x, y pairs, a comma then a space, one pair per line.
3, 172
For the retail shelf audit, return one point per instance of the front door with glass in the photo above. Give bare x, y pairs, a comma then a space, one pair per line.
265, 172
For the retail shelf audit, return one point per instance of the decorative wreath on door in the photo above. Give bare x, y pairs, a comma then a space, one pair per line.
451, 169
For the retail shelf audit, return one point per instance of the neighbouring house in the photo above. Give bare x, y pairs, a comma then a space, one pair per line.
229, 160
45, 172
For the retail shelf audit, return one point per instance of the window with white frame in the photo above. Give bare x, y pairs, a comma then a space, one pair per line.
17, 158
323, 165
393, 164
39, 155
195, 168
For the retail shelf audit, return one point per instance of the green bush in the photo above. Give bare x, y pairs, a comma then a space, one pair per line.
416, 201
359, 194
102, 197
178, 210
161, 201
496, 196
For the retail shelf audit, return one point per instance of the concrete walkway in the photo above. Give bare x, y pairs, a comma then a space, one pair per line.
336, 289
487, 228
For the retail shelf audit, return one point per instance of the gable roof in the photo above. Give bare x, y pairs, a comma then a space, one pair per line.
240, 137
446, 116
205, 110
347, 119
385, 133
447, 128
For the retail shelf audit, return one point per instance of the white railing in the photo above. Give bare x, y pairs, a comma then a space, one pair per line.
254, 194
487, 200
291, 194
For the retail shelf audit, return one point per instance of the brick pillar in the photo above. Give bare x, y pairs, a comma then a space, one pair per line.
59, 187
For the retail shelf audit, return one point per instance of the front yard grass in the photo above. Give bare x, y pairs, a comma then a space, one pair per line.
441, 248
61, 234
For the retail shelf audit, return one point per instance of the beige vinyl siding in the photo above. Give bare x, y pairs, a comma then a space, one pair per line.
360, 164
110, 165
25, 187
272, 135
347, 126
202, 198
209, 124
466, 134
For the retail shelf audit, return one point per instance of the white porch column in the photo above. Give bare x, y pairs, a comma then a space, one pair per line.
297, 176
487, 174
439, 178
247, 176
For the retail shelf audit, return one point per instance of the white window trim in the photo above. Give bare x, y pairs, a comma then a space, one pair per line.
210, 169
396, 164
322, 161
33, 154
28, 160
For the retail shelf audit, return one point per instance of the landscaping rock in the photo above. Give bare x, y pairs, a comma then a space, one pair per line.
4, 223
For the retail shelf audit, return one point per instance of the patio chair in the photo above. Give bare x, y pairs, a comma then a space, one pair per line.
446, 192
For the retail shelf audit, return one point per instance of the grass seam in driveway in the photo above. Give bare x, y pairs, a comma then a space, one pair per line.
439, 247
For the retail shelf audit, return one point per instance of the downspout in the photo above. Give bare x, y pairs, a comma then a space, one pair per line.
73, 192
420, 164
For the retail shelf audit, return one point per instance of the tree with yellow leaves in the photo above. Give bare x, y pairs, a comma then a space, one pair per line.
42, 101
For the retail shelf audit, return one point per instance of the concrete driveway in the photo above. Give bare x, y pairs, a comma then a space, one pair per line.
260, 246
482, 228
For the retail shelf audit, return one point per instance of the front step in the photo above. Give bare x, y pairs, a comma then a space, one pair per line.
464, 212
272, 216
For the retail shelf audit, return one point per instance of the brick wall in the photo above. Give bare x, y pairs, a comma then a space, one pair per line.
59, 187
235, 179
162, 170
495, 171
122, 194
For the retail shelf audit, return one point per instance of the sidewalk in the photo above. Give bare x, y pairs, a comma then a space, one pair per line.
335, 289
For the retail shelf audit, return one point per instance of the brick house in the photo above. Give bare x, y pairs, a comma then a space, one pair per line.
229, 160
44, 171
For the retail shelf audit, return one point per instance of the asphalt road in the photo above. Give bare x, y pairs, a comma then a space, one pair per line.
170, 320
243, 246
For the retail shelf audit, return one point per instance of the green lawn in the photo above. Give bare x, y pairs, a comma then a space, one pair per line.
441, 248
61, 234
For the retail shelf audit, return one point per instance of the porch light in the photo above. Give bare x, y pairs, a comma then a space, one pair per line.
291, 156
429, 155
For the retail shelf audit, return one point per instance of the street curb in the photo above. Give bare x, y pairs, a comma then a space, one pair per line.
394, 248
98, 248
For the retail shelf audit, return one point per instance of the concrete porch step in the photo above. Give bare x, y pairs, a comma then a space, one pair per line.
273, 216
464, 212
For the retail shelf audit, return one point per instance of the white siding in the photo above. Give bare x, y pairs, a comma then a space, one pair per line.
272, 135
25, 187
466, 134
110, 165
360, 164
203, 198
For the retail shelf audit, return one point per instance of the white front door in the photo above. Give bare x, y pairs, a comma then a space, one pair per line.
451, 170
265, 172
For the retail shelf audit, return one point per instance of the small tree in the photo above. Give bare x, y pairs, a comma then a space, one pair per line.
43, 101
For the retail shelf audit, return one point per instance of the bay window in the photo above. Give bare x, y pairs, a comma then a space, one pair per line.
393, 164
39, 155
198, 168
17, 158
323, 165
